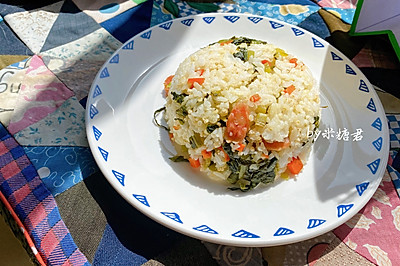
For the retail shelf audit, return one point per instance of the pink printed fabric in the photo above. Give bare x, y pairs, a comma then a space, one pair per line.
345, 4
375, 231
40, 95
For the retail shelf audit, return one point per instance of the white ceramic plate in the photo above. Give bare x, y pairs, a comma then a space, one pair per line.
339, 179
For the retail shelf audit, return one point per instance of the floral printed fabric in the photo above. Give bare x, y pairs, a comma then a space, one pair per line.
65, 127
375, 230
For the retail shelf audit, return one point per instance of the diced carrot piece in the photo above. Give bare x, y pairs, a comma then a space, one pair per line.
176, 127
295, 165
195, 163
225, 42
206, 154
167, 84
266, 156
241, 147
289, 89
277, 145
191, 81
200, 71
255, 98
293, 61
171, 135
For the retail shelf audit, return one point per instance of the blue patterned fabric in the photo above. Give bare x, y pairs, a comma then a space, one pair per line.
112, 252
61, 167
11, 45
119, 26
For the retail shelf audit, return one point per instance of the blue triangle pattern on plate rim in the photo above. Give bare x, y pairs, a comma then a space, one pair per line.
378, 143
206, 229
96, 132
173, 216
312, 223
146, 35
275, 25
377, 124
363, 86
115, 59
335, 57
93, 111
104, 73
349, 70
142, 199
343, 208
362, 187
374, 165
97, 91
208, 20
371, 105
104, 153
297, 32
128, 46
232, 19
245, 234
255, 20
316, 43
187, 22
166, 26
282, 231
120, 177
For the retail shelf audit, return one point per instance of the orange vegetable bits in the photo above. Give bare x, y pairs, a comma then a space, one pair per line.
167, 84
265, 61
195, 163
293, 61
255, 98
191, 81
289, 89
200, 71
238, 123
241, 147
277, 145
206, 154
295, 166
222, 43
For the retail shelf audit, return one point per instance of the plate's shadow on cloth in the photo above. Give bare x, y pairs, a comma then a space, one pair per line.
142, 235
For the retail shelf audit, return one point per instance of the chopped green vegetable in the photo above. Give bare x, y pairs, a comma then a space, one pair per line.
261, 119
247, 173
178, 158
248, 41
211, 128
156, 113
179, 98
180, 120
250, 53
182, 111
195, 141
316, 121
241, 54
280, 52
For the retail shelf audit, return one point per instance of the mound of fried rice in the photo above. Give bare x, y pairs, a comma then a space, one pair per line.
243, 111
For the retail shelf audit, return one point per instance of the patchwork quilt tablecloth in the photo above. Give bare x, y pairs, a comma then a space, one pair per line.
60, 205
